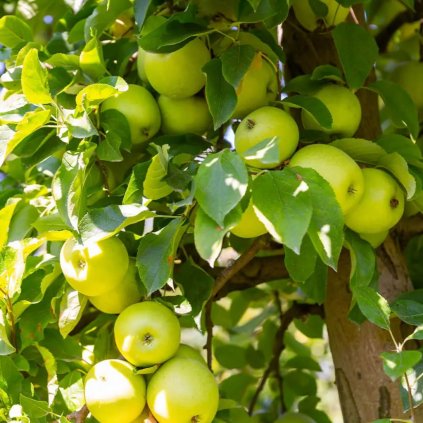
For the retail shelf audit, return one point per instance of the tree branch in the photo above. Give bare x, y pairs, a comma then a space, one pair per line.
297, 310
79, 416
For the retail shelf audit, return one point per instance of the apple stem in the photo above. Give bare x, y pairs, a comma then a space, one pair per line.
251, 123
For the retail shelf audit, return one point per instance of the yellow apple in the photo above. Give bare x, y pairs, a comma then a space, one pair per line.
127, 292
306, 17
140, 65
185, 351
381, 206
410, 76
266, 123
179, 73
344, 107
249, 226
341, 172
184, 115
292, 417
181, 391
375, 239
257, 88
140, 109
94, 267
147, 333
114, 392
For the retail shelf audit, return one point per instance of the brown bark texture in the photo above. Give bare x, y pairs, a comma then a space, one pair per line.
365, 392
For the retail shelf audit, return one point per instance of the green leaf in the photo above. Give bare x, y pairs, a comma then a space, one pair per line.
91, 59
104, 222
408, 310
361, 150
196, 285
363, 260
156, 255
312, 105
72, 306
109, 148
68, 186
284, 204
220, 95
274, 11
327, 72
34, 79
301, 266
373, 306
395, 143
399, 105
33, 408
357, 51
231, 356
155, 187
209, 235
235, 63
14, 31
6, 348
327, 222
221, 182
134, 191
12, 267
72, 390
396, 164
141, 9
6, 214
173, 33
94, 94
267, 151
396, 364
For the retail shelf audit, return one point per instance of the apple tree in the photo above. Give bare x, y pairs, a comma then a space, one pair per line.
195, 195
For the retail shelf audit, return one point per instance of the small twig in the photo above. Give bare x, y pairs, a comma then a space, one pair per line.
277, 370
353, 16
238, 264
410, 398
209, 328
79, 416
296, 310
104, 174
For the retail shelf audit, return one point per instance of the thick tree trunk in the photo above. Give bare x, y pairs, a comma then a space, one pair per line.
366, 394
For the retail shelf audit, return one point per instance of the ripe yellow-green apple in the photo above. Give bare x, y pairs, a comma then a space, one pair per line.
344, 107
127, 292
409, 76
185, 351
140, 109
140, 65
114, 392
123, 24
179, 73
381, 205
292, 417
249, 226
341, 172
308, 19
375, 239
94, 268
184, 115
147, 333
267, 123
181, 391
257, 88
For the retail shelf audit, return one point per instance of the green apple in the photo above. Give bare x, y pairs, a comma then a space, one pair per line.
185, 351
181, 391
114, 392
249, 226
94, 268
147, 333
307, 18
381, 206
375, 239
410, 76
127, 292
257, 88
140, 109
179, 73
341, 172
140, 65
184, 115
292, 417
344, 107
266, 123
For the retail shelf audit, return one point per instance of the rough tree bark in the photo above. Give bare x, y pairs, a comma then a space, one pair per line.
365, 392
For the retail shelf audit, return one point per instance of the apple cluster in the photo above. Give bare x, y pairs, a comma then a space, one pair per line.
180, 387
